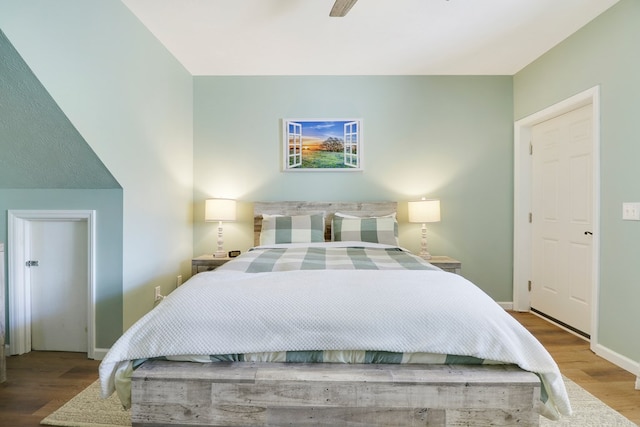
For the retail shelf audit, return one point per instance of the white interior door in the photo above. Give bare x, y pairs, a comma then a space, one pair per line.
562, 197
59, 285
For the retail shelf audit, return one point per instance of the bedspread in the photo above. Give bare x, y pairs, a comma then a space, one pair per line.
405, 311
330, 256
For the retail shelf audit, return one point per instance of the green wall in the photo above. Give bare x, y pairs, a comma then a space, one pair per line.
108, 206
43, 157
171, 140
132, 102
605, 53
442, 137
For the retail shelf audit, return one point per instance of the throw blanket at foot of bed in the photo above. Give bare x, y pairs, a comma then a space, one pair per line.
403, 311
275, 394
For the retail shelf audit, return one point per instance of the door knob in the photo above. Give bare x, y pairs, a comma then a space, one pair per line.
586, 233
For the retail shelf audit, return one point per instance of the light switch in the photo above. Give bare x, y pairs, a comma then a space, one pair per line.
631, 211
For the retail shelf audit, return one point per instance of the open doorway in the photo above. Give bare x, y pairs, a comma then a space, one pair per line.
64, 242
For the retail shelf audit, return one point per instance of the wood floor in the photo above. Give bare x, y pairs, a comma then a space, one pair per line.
40, 382
613, 385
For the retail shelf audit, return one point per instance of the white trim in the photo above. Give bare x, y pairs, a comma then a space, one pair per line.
617, 359
522, 200
602, 351
297, 121
19, 281
19, 306
506, 305
100, 353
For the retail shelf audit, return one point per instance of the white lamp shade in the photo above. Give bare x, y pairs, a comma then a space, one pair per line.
219, 210
424, 211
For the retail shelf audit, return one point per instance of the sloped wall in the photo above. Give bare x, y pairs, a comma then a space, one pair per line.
131, 101
46, 164
40, 146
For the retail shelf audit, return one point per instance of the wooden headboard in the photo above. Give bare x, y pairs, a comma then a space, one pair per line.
362, 209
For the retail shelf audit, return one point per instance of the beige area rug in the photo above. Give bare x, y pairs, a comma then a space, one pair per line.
87, 409
588, 411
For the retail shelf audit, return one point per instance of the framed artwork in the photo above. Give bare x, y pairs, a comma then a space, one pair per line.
322, 144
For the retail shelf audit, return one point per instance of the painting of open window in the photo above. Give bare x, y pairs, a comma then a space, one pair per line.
322, 144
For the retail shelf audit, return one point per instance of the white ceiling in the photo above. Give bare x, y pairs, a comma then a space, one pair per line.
377, 37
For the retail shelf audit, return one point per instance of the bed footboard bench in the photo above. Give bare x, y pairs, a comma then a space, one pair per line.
276, 394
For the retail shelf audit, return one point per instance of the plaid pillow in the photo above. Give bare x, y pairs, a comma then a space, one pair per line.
373, 230
292, 229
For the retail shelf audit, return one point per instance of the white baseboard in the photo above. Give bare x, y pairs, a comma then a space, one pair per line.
100, 353
602, 351
619, 360
506, 305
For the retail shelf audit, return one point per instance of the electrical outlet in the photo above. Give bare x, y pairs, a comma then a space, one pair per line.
158, 295
631, 211
179, 280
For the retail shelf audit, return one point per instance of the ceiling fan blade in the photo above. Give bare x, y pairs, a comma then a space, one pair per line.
341, 7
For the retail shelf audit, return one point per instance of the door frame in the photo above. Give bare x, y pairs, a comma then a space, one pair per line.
20, 280
522, 239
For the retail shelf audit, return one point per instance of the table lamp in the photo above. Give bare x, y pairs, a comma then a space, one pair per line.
219, 210
423, 211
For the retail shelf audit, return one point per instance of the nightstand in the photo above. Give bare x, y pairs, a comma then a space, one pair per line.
206, 263
446, 263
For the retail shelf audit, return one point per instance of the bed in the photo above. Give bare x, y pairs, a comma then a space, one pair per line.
327, 321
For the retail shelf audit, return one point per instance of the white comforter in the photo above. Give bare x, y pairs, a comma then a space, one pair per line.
398, 311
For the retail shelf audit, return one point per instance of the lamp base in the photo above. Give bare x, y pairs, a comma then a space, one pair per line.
424, 253
219, 254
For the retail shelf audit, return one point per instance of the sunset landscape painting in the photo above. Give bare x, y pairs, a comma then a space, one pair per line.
322, 144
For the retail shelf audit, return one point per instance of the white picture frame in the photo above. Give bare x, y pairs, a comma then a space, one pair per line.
322, 145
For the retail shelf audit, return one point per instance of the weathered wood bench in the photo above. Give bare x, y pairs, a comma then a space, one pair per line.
276, 394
